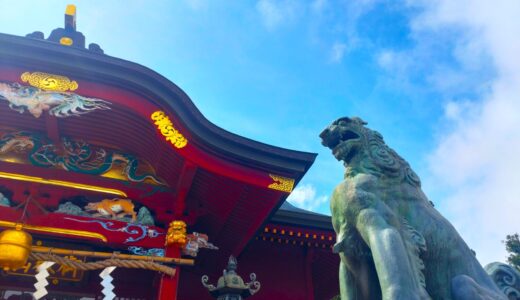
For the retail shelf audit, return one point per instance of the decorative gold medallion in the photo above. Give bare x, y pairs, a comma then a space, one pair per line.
67, 41
49, 82
281, 183
171, 134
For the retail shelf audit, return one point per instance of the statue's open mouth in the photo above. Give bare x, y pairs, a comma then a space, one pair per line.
340, 142
334, 139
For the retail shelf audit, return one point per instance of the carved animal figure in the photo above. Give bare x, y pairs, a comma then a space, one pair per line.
195, 241
392, 243
115, 208
36, 101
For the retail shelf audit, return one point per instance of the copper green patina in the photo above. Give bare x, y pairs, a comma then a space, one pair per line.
230, 285
392, 243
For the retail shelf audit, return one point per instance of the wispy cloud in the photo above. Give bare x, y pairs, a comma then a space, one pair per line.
319, 5
305, 196
276, 13
477, 155
337, 52
196, 4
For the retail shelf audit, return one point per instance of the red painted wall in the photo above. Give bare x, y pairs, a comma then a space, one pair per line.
280, 268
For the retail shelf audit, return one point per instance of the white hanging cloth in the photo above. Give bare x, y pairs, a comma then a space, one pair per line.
41, 279
106, 282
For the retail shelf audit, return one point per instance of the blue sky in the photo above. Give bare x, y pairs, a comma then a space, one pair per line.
439, 79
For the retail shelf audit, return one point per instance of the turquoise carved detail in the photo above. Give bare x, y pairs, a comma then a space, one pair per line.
506, 277
146, 252
392, 243
72, 155
4, 201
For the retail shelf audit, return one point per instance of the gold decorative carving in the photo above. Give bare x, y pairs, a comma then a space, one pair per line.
176, 234
167, 130
80, 233
281, 183
49, 82
67, 41
58, 272
69, 184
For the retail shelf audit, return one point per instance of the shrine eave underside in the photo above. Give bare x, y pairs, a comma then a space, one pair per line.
44, 56
220, 181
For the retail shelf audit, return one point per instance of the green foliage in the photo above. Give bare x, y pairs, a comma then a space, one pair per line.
513, 247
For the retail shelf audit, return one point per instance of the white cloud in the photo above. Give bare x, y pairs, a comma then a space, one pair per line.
477, 158
196, 4
386, 59
304, 196
337, 52
319, 5
275, 13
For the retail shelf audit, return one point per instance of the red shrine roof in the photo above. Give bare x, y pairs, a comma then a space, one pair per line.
223, 184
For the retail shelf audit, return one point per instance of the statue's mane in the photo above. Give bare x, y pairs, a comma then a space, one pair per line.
382, 161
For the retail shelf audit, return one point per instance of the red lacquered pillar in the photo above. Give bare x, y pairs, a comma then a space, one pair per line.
169, 284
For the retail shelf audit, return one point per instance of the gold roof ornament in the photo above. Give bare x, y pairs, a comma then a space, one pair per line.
70, 16
70, 24
166, 128
281, 183
49, 82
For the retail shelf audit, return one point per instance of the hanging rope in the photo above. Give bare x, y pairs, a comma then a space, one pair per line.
113, 262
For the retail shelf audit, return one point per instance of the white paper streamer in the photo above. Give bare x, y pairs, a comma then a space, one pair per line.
41, 279
108, 288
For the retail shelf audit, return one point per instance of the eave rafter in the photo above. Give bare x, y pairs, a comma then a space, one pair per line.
188, 172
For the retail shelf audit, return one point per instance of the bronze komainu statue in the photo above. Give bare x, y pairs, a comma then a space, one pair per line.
392, 243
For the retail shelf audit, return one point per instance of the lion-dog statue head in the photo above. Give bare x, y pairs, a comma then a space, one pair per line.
364, 151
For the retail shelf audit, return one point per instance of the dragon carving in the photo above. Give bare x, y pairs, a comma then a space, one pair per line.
392, 243
72, 155
58, 104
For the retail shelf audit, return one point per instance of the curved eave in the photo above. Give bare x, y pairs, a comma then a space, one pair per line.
47, 56
287, 214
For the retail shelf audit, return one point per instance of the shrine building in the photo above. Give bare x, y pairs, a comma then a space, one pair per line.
113, 185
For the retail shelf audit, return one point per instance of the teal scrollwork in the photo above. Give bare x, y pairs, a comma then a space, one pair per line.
506, 278
146, 252
72, 155
137, 232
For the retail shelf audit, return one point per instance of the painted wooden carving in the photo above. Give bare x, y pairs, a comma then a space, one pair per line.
115, 208
118, 209
59, 104
74, 155
196, 241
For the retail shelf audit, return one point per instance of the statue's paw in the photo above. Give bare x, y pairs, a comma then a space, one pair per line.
399, 293
464, 287
423, 295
